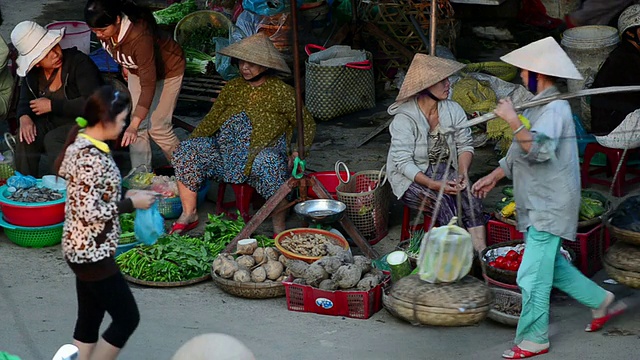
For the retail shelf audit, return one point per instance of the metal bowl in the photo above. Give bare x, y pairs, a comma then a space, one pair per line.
321, 211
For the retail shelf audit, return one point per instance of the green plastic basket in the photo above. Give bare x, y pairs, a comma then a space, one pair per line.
33, 237
171, 208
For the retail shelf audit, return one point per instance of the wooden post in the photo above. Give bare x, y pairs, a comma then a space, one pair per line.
432, 27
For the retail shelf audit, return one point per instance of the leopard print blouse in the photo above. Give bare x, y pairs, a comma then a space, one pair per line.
92, 226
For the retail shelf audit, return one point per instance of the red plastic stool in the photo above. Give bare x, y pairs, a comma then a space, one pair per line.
405, 232
243, 196
614, 156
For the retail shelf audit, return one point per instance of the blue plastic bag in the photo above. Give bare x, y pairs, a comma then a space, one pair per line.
148, 224
223, 63
19, 181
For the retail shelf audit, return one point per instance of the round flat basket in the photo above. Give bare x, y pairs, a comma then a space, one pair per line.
335, 239
627, 278
249, 290
505, 302
505, 220
166, 284
627, 236
33, 237
196, 21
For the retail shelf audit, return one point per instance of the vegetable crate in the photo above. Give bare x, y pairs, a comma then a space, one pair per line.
353, 304
499, 232
589, 248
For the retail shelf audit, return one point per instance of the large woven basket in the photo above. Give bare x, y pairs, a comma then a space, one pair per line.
504, 298
367, 196
249, 290
627, 278
462, 303
167, 284
627, 236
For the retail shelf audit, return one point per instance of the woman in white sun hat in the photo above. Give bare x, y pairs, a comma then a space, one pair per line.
543, 163
56, 85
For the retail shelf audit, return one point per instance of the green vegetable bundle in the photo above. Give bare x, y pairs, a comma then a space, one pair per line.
590, 208
126, 222
201, 38
175, 12
198, 63
172, 258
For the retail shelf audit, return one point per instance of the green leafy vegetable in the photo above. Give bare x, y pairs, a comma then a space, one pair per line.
201, 38
198, 63
175, 12
126, 222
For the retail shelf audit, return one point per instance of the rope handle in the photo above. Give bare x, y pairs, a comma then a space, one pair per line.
11, 142
358, 65
346, 169
382, 176
298, 164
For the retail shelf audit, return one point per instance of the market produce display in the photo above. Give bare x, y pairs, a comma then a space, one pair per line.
175, 12
251, 264
126, 228
338, 271
509, 258
311, 244
173, 258
590, 207
198, 63
35, 195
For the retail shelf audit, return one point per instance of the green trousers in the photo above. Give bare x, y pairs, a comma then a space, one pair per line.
543, 267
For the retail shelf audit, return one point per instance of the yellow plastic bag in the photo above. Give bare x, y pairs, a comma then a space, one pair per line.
446, 254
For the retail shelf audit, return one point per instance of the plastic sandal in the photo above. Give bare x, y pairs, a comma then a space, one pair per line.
597, 324
517, 353
178, 228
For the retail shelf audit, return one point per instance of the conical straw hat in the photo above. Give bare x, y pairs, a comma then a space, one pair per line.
257, 49
426, 71
544, 57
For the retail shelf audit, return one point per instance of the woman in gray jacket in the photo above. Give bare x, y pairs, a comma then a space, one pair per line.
419, 152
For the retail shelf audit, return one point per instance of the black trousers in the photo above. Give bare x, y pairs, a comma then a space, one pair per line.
111, 295
48, 145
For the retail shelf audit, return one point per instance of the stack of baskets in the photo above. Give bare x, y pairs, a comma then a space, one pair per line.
31, 224
622, 260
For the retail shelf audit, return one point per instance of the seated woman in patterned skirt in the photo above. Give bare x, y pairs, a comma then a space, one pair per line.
245, 137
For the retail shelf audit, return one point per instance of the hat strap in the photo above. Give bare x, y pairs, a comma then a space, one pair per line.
34, 46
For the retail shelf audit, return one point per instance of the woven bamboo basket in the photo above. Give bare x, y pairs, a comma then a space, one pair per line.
463, 303
505, 298
249, 290
627, 236
621, 263
627, 278
167, 284
505, 220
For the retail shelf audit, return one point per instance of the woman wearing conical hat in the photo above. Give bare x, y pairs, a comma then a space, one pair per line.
246, 136
543, 164
419, 152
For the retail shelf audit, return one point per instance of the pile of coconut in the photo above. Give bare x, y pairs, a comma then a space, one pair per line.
250, 263
338, 271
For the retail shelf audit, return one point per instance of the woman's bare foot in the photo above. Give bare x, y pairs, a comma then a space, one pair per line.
187, 218
605, 312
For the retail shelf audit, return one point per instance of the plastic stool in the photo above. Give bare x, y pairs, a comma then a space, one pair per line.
405, 232
614, 156
243, 196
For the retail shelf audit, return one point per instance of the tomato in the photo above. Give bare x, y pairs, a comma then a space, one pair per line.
493, 264
519, 259
512, 266
512, 255
501, 262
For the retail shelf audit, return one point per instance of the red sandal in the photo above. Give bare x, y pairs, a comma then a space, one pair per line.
518, 353
178, 228
597, 324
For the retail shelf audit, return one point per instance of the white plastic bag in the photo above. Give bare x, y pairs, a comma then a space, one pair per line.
446, 254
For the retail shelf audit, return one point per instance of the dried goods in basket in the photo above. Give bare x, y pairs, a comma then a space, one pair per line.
506, 307
462, 303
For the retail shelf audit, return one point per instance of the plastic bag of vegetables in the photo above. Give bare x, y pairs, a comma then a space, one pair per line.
446, 254
175, 12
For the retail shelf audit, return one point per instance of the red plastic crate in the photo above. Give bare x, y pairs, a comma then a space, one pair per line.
353, 304
499, 232
589, 248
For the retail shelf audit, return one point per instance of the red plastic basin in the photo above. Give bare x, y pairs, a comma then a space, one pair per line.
33, 216
330, 182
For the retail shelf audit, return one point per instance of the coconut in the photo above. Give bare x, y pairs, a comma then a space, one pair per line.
347, 276
259, 255
297, 268
272, 253
258, 274
274, 269
315, 274
283, 260
328, 284
330, 263
246, 246
227, 268
367, 283
362, 261
246, 261
242, 275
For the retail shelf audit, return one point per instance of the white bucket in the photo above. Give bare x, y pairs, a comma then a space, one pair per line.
77, 34
588, 47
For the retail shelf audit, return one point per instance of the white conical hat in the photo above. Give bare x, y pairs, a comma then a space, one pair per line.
424, 72
544, 57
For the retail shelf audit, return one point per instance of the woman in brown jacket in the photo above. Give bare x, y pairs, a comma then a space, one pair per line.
154, 64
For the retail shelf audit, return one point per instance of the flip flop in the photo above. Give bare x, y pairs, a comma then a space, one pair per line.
597, 324
518, 353
178, 228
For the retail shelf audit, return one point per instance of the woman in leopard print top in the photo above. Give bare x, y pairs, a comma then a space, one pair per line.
92, 228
